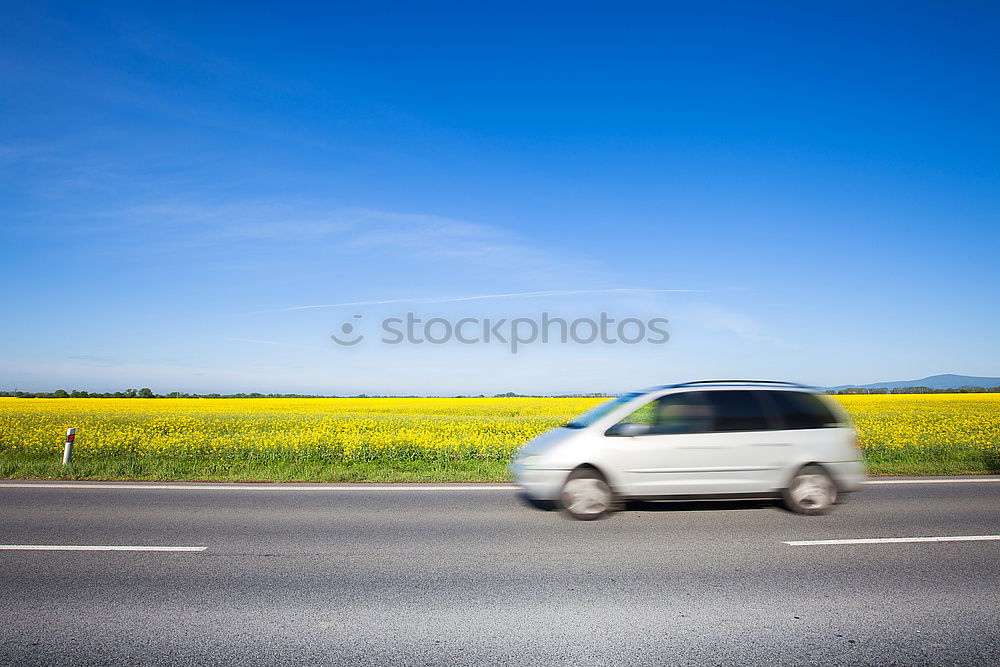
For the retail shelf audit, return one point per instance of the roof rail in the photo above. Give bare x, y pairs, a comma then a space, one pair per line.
778, 382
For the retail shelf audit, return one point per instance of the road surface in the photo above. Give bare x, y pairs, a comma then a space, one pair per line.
445, 574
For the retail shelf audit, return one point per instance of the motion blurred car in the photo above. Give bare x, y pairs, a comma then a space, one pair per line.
706, 439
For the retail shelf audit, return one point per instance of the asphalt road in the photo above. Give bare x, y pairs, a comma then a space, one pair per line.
441, 575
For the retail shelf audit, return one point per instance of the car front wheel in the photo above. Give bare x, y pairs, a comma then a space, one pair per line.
586, 495
811, 491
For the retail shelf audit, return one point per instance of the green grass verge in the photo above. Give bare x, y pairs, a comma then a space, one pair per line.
217, 470
923, 468
933, 461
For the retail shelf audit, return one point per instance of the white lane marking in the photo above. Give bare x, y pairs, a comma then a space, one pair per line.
894, 540
959, 480
91, 547
250, 486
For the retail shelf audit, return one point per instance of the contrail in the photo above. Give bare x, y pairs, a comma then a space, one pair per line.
482, 297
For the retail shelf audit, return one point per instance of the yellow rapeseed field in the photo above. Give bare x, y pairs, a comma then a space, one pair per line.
923, 426
344, 429
892, 427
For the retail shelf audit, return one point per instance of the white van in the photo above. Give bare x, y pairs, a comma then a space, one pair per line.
707, 439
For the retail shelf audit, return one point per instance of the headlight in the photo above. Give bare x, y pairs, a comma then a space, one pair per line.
530, 460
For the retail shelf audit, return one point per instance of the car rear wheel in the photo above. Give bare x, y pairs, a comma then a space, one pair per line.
586, 495
811, 491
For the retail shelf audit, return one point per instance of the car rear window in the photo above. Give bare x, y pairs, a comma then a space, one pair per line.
737, 410
798, 409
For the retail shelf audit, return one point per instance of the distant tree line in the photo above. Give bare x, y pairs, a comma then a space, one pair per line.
146, 392
917, 390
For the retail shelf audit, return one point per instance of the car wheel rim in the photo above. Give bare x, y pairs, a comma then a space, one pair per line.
586, 497
813, 491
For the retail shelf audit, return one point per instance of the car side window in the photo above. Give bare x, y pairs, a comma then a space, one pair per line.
674, 413
737, 411
799, 410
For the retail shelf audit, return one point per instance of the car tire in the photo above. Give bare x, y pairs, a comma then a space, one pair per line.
586, 495
811, 492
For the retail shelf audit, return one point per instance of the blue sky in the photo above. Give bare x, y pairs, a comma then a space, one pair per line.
819, 180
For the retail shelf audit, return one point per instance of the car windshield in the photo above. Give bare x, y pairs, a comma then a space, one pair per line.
598, 411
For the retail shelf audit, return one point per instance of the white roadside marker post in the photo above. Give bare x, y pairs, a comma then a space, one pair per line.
68, 449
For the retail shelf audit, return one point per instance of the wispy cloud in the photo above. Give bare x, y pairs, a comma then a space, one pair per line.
307, 227
17, 154
260, 341
717, 318
254, 340
200, 224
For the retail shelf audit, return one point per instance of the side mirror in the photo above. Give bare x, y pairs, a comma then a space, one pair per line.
625, 430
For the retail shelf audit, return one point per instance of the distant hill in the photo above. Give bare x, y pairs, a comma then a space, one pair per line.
946, 381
